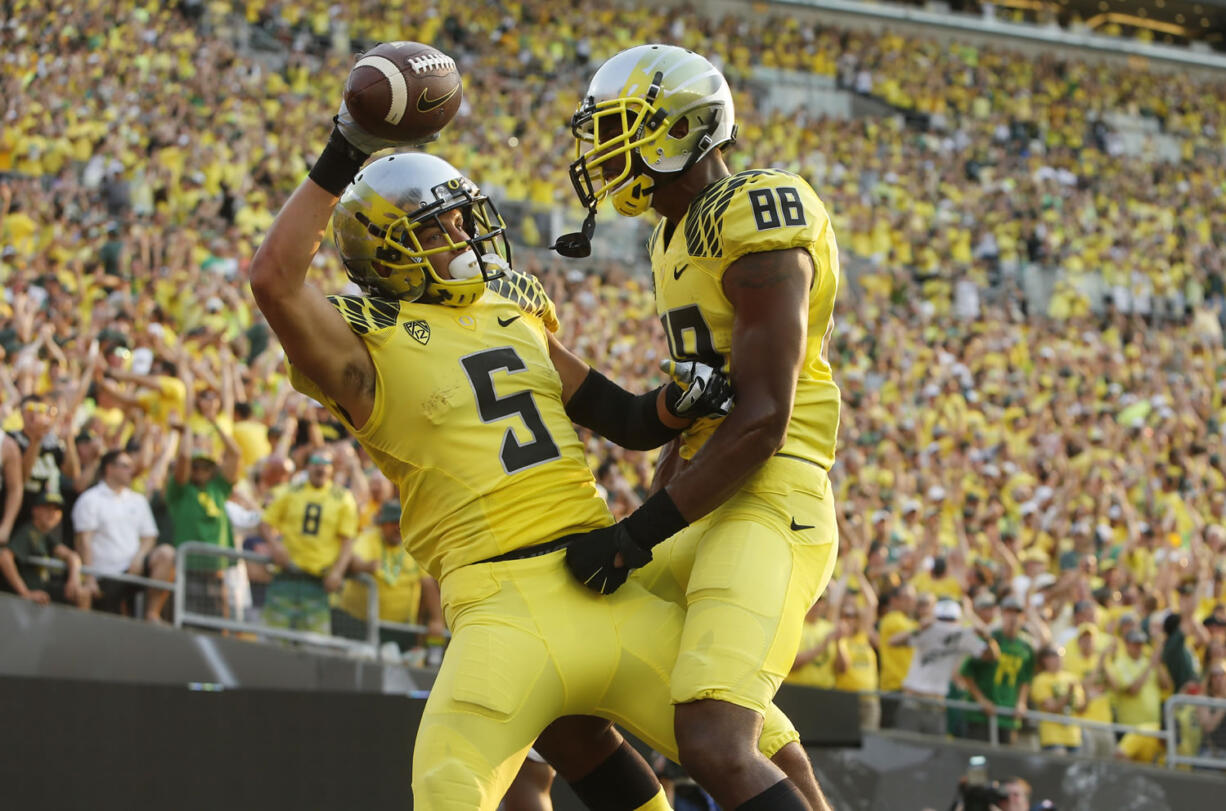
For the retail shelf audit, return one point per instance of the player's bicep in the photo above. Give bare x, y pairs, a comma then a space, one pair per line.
322, 346
570, 367
769, 293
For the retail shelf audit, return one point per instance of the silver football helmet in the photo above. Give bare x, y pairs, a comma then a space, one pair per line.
378, 221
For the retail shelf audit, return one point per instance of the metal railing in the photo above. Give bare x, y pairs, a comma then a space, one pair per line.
1173, 758
185, 616
993, 719
58, 565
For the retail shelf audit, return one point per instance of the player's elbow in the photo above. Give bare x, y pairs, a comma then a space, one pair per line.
268, 281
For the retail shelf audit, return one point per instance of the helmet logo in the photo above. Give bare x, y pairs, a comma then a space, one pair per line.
419, 331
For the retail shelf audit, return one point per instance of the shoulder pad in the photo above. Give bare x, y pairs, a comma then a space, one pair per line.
757, 210
528, 294
366, 314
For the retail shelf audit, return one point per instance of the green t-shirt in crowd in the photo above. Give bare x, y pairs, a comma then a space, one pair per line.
199, 514
1001, 679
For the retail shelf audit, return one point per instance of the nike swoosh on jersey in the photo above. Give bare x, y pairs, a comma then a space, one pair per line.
426, 104
798, 527
506, 322
678, 271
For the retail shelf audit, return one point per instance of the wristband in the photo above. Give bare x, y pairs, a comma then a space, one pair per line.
338, 164
628, 420
658, 519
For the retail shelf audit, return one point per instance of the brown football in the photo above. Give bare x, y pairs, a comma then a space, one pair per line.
403, 91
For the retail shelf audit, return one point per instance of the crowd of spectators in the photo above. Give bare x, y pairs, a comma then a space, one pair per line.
1050, 482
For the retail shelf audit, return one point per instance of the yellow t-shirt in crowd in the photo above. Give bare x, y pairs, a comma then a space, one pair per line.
398, 580
820, 671
1057, 685
895, 659
861, 672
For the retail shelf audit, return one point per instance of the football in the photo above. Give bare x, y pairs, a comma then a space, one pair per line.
403, 91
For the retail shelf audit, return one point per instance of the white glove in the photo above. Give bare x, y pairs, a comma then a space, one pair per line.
704, 390
363, 141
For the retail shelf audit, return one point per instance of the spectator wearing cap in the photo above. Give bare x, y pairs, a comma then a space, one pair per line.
316, 522
1084, 612
43, 537
1085, 658
941, 644
1034, 563
116, 534
196, 497
1003, 681
1059, 692
406, 595
895, 659
984, 608
47, 466
1138, 681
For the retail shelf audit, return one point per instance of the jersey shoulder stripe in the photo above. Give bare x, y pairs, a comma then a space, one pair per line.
705, 220
527, 293
366, 314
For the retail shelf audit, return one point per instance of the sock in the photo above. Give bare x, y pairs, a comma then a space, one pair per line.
783, 796
623, 782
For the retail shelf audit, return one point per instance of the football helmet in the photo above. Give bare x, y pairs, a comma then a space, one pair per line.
377, 223
655, 106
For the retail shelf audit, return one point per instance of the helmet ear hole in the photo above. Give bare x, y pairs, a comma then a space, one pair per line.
680, 129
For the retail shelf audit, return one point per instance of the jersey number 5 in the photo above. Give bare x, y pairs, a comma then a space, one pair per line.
480, 368
766, 211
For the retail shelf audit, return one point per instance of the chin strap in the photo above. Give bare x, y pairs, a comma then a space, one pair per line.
578, 245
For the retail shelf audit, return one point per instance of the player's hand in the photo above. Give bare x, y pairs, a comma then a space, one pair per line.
333, 582
39, 597
697, 390
602, 558
362, 140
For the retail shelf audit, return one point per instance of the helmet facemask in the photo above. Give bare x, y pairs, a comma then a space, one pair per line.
651, 112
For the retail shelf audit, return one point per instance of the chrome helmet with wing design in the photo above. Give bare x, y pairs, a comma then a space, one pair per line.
659, 107
380, 218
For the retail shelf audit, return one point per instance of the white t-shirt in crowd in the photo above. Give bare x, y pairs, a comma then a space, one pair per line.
117, 521
939, 651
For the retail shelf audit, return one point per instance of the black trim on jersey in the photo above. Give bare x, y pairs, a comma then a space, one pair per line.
366, 314
522, 290
704, 221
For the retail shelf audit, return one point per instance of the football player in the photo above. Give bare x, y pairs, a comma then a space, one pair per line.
443, 372
745, 269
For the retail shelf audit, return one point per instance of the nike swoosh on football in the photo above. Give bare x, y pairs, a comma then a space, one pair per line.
425, 104
506, 322
678, 271
798, 527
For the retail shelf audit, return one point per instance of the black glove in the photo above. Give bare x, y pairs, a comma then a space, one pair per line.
697, 390
592, 557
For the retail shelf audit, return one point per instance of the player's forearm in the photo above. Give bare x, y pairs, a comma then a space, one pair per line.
283, 259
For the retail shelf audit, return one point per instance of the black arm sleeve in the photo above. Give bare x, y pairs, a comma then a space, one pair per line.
631, 421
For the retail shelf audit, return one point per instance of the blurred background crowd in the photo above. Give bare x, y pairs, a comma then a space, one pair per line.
1045, 472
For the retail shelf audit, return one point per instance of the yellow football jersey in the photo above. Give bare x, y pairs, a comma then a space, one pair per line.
750, 212
468, 421
312, 521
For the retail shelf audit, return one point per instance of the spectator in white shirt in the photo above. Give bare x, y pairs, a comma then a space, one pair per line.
115, 534
941, 643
